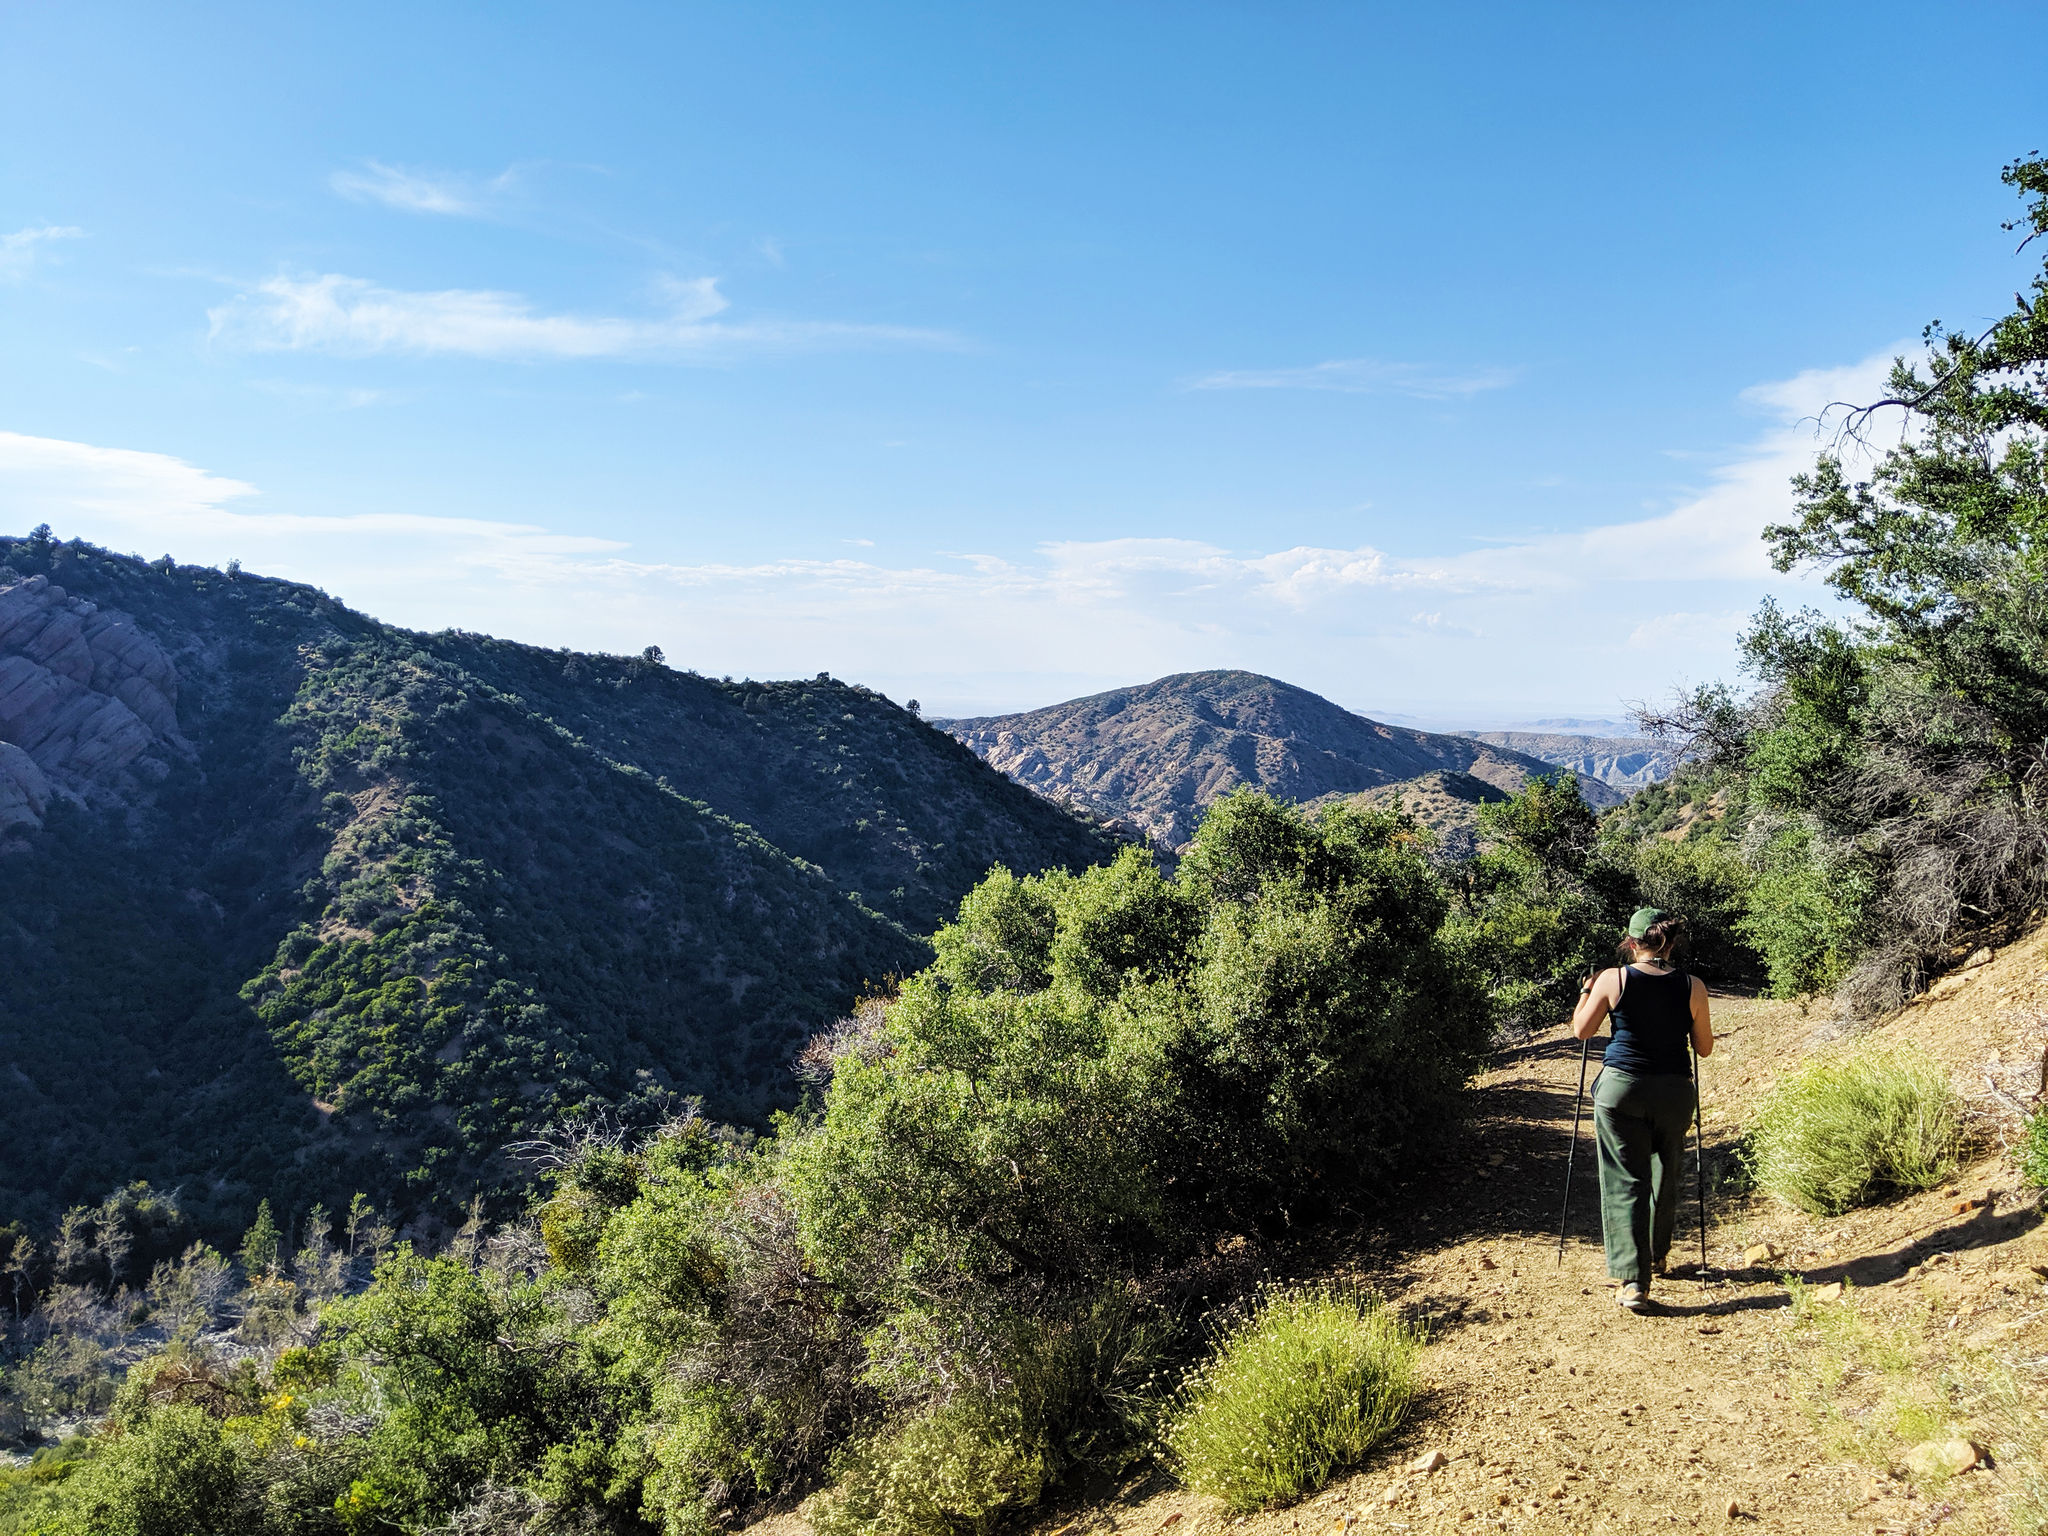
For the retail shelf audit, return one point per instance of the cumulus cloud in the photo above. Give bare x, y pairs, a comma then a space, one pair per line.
1365, 376
352, 317
20, 251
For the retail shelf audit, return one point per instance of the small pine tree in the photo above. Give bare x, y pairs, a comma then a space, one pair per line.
261, 1243
19, 1272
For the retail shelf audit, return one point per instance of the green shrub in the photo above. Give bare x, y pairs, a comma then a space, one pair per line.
1806, 912
1844, 1129
2033, 1151
174, 1473
953, 1470
1088, 1382
1539, 904
1079, 1392
1103, 1067
1706, 879
1306, 1385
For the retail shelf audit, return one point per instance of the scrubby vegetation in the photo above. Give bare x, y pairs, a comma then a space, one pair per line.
413, 897
962, 1273
1304, 1386
2032, 1152
1853, 1125
1838, 1347
1889, 768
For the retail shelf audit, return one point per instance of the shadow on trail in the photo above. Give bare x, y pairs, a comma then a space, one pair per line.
1500, 1175
1726, 1306
1983, 1228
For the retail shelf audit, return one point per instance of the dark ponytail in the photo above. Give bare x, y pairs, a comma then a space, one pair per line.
1663, 938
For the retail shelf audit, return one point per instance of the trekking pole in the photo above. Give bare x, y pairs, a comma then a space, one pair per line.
1585, 1048
1699, 1154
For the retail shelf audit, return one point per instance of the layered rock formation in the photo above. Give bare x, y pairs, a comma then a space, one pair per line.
84, 694
1628, 763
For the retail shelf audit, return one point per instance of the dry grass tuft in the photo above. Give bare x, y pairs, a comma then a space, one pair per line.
1306, 1385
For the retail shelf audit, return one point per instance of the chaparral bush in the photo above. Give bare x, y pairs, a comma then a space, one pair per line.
1849, 1127
1303, 1387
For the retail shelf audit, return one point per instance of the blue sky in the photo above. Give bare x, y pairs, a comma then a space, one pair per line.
1443, 359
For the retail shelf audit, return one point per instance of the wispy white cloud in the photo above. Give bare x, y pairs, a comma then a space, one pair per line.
46, 475
414, 191
1713, 534
1365, 376
1573, 622
321, 396
20, 251
353, 317
126, 499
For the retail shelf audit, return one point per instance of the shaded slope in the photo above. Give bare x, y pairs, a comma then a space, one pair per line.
1157, 755
373, 903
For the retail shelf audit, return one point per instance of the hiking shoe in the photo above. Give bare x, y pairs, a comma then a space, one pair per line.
1660, 1267
1632, 1297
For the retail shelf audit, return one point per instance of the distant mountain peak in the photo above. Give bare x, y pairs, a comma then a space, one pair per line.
1158, 754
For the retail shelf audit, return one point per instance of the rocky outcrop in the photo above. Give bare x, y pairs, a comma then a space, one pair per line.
24, 788
84, 694
1628, 763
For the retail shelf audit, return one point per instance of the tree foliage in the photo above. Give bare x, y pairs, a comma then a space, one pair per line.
401, 899
1894, 760
951, 1279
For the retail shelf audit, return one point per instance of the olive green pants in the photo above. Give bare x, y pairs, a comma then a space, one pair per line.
1640, 1125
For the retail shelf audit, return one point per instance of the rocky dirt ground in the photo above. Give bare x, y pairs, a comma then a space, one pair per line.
1799, 1382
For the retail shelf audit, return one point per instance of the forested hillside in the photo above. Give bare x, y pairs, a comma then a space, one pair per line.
295, 903
1161, 754
293, 898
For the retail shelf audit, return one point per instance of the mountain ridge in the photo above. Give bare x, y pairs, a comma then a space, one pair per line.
1156, 754
1628, 763
364, 905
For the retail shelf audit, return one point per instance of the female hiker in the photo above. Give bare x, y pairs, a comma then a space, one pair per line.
1643, 1103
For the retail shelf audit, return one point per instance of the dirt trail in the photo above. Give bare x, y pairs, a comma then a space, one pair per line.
1557, 1411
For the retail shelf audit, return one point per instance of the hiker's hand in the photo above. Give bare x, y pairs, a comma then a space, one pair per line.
1591, 1010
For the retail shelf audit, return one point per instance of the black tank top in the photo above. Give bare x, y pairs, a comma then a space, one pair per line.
1651, 1025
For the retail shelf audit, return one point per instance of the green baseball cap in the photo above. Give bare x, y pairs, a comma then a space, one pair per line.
1640, 923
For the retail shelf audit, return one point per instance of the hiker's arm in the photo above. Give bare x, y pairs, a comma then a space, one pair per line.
1596, 999
1702, 1020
